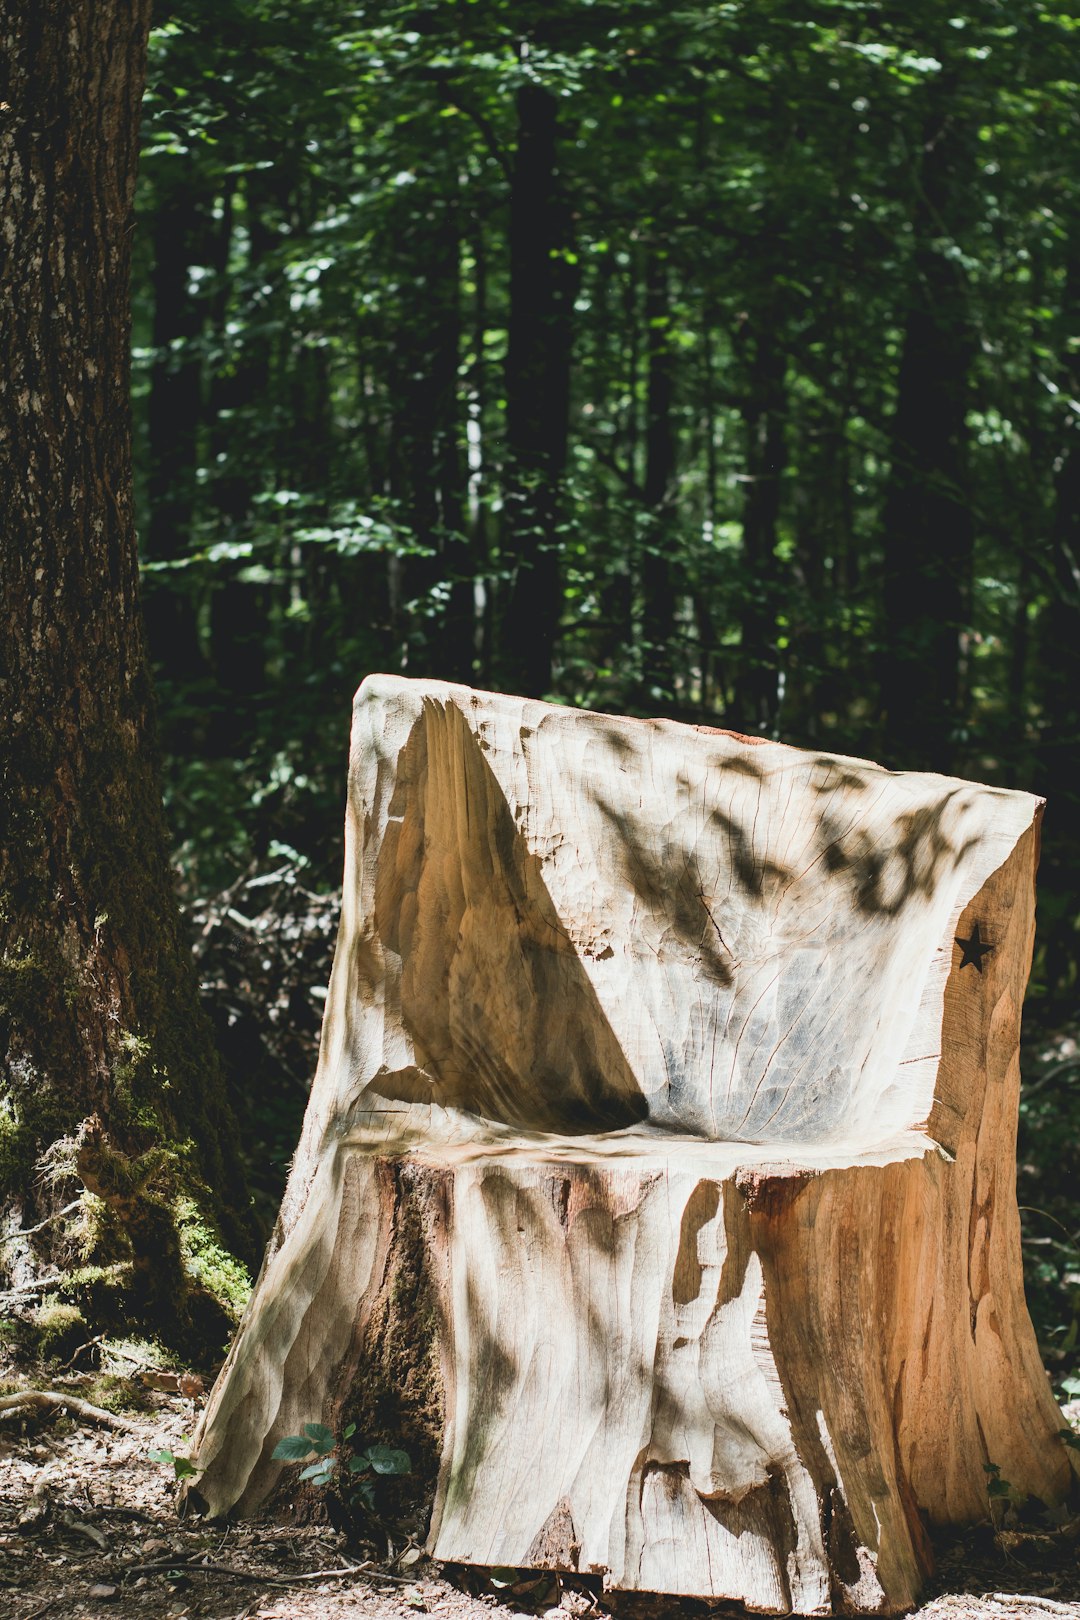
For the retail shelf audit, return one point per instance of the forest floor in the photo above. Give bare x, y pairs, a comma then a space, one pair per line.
89, 1531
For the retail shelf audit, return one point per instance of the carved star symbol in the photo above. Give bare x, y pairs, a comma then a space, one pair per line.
974, 949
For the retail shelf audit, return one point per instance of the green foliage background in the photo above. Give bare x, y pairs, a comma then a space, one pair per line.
720, 361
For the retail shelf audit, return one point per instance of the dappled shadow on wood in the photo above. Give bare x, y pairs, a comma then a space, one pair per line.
461, 900
574, 1000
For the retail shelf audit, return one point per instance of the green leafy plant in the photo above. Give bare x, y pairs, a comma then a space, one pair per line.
318, 1443
999, 1493
183, 1467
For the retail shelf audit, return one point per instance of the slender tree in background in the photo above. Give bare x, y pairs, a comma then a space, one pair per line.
173, 416
537, 394
109, 1082
927, 519
657, 565
757, 692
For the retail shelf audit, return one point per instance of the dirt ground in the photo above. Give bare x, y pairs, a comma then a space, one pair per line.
89, 1531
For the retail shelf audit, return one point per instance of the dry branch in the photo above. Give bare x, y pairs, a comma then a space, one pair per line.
51, 1400
207, 1566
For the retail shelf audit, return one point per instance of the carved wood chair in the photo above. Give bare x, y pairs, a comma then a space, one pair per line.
657, 1183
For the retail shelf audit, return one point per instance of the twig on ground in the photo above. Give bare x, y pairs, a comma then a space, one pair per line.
35, 1614
212, 1567
55, 1401
89, 1345
353, 1569
99, 1341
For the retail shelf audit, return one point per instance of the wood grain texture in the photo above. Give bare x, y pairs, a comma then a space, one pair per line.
658, 1179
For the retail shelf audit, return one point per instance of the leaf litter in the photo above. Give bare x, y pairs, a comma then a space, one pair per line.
88, 1531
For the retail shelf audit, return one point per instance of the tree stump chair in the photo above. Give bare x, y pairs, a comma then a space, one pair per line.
657, 1186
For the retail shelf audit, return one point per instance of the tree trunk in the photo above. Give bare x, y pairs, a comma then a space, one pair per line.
239, 609
1055, 677
173, 417
757, 696
670, 1253
455, 637
480, 471
428, 471
616, 630
657, 564
928, 530
109, 1077
537, 397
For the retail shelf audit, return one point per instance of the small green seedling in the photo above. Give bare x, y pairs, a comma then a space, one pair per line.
320, 1443
316, 1440
183, 1467
998, 1491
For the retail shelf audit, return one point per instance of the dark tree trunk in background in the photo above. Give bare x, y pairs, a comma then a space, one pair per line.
313, 572
657, 563
617, 630
537, 397
757, 692
428, 464
481, 474
173, 424
928, 532
703, 618
1056, 672
107, 1068
454, 642
238, 609
368, 577
817, 524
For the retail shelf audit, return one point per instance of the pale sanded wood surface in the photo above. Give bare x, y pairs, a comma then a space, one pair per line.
657, 1182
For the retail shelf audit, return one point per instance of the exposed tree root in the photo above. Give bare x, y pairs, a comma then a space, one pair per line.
51, 1400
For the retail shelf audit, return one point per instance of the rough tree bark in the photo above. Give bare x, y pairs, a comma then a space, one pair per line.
108, 1073
657, 1184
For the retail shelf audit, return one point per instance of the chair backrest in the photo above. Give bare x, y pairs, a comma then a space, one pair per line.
559, 921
